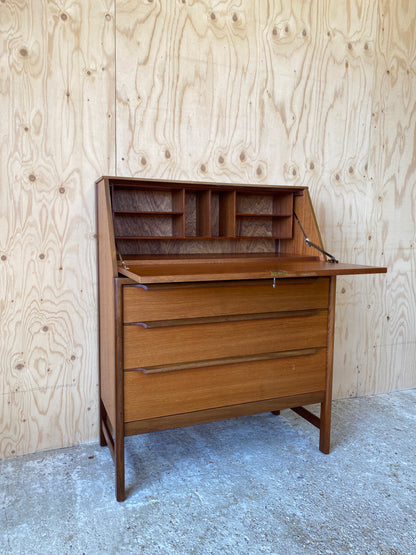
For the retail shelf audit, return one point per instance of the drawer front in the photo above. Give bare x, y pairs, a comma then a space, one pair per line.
150, 347
145, 305
182, 391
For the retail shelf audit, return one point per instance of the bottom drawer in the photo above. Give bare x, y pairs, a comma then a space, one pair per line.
182, 391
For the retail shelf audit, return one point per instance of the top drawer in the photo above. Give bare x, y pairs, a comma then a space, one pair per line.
221, 299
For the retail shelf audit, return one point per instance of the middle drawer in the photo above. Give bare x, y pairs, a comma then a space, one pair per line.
150, 347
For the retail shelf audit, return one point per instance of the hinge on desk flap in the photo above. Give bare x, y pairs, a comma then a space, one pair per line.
121, 260
310, 244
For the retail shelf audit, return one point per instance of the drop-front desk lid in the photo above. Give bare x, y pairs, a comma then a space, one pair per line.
197, 269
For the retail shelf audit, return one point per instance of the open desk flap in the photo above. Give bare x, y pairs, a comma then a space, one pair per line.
147, 272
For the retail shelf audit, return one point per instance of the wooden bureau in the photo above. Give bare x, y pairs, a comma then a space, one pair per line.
211, 305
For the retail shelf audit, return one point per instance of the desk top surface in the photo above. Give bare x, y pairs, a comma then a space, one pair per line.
148, 271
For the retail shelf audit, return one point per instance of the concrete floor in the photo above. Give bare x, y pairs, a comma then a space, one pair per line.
247, 486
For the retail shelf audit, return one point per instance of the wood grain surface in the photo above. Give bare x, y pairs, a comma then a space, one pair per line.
391, 237
319, 93
57, 136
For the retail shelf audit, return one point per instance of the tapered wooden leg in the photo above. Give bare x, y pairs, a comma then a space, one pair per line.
325, 420
119, 462
119, 392
103, 441
325, 427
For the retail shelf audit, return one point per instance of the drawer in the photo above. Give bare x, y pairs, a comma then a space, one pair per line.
149, 347
143, 305
182, 391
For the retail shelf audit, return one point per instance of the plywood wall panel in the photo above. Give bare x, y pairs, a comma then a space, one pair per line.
57, 71
340, 103
392, 217
195, 102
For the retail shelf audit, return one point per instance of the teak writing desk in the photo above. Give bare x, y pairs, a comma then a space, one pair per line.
211, 305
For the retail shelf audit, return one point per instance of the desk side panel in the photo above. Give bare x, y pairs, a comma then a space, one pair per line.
304, 210
107, 271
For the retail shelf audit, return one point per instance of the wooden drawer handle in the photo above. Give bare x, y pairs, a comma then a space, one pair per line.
219, 361
226, 318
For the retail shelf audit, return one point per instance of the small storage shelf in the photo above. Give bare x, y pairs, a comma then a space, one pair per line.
188, 212
264, 225
267, 215
147, 212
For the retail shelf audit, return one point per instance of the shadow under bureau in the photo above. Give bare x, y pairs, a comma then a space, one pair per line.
211, 305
